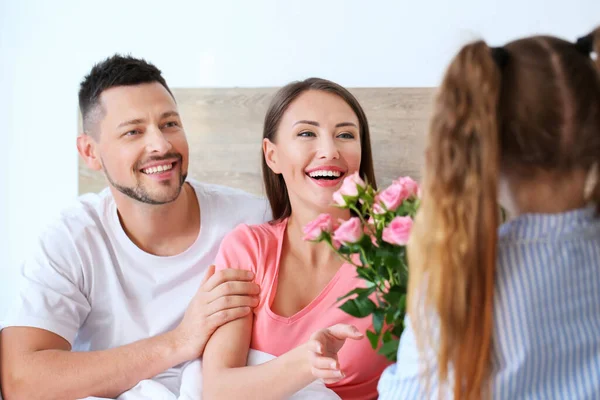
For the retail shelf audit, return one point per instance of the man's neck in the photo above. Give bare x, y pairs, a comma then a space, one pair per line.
162, 230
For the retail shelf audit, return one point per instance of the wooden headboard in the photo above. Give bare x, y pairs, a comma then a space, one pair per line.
224, 131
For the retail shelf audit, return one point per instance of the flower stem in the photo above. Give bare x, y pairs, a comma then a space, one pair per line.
362, 218
343, 256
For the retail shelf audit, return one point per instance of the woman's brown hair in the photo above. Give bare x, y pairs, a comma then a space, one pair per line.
532, 105
275, 187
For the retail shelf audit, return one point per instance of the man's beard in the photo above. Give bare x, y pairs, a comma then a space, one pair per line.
140, 194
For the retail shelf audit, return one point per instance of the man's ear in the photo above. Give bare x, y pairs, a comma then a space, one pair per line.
88, 150
271, 155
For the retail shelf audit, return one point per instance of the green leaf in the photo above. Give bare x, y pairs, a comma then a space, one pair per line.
399, 327
361, 292
345, 250
358, 308
387, 336
373, 338
391, 256
406, 209
399, 315
364, 242
394, 295
349, 200
390, 349
365, 262
366, 273
354, 247
390, 316
325, 236
378, 316
402, 303
383, 272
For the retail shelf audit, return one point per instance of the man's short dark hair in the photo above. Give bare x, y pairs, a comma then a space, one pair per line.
114, 71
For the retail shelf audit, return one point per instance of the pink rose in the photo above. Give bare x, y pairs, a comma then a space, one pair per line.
314, 229
392, 197
411, 187
349, 232
377, 209
369, 229
349, 188
398, 231
355, 258
338, 199
374, 241
336, 245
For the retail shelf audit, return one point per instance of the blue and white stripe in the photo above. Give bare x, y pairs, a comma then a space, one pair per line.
546, 315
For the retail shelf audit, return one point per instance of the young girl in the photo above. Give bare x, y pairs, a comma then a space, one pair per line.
315, 135
514, 313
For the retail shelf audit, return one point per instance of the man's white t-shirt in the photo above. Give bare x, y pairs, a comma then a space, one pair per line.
89, 283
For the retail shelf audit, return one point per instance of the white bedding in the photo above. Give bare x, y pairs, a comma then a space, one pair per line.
191, 385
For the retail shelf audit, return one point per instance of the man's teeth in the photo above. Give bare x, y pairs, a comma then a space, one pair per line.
157, 169
316, 174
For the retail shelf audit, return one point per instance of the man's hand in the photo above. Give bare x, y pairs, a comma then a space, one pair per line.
223, 297
324, 346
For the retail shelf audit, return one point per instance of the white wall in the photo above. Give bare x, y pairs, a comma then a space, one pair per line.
46, 48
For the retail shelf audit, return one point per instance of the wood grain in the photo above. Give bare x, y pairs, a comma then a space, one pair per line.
224, 131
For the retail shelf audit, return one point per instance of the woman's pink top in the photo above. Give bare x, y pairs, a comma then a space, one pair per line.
258, 248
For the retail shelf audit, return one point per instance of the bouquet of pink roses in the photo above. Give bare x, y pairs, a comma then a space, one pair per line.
374, 241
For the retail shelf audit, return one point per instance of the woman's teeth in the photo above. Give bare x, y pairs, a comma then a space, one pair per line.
325, 174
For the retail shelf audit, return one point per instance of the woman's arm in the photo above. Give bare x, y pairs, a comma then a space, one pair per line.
226, 376
224, 371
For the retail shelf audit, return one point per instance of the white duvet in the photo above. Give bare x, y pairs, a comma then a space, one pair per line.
191, 385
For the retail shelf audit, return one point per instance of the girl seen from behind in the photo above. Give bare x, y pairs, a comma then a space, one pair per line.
511, 313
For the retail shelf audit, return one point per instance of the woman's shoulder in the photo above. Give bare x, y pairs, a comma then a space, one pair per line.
256, 237
268, 230
251, 247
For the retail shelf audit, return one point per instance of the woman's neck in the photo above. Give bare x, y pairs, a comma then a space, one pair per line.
315, 255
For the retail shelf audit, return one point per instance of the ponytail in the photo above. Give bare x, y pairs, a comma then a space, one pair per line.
596, 190
452, 250
588, 44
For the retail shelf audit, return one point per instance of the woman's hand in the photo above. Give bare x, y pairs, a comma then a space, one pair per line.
324, 346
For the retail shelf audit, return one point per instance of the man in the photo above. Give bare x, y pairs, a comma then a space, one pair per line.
114, 293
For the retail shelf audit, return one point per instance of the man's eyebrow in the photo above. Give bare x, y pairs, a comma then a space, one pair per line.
131, 122
141, 120
170, 114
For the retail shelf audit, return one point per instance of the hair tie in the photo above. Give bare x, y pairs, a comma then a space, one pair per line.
500, 56
585, 44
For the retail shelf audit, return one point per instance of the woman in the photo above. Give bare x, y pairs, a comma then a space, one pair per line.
516, 312
315, 135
